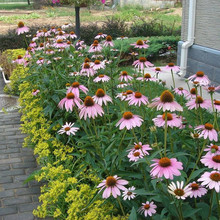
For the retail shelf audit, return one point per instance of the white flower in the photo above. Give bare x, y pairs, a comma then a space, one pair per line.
129, 193
68, 129
178, 191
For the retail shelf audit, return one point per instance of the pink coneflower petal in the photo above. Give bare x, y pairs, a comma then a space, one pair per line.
201, 78
137, 99
197, 190
148, 208
211, 161
198, 102
207, 131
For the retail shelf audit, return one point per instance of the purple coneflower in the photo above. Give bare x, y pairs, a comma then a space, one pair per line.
102, 78
178, 191
87, 70
181, 91
211, 161
135, 155
60, 44
129, 121
21, 28
108, 42
100, 97
147, 77
148, 208
68, 129
212, 89
101, 36
171, 66
112, 185
98, 65
20, 60
211, 180
201, 78
90, 109
141, 63
33, 44
166, 167
75, 87
172, 120
213, 149
95, 47
61, 35
140, 45
35, 92
166, 102
72, 35
217, 104
139, 146
197, 190
123, 84
207, 131
199, 102
124, 76
137, 99
69, 102
129, 193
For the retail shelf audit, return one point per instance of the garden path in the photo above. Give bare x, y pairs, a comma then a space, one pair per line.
17, 200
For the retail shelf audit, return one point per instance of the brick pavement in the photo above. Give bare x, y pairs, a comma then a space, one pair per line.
17, 200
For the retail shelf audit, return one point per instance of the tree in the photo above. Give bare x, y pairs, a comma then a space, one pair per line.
78, 4
28, 2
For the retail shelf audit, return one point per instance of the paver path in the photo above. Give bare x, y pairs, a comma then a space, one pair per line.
17, 200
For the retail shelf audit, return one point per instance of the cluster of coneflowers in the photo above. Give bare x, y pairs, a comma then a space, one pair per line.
165, 168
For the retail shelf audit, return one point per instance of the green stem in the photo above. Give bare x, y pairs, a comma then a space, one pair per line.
211, 200
200, 154
93, 121
217, 200
119, 202
134, 135
171, 140
165, 135
200, 90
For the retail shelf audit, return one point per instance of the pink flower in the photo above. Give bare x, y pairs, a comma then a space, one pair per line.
171, 66
135, 155
35, 92
213, 149
148, 208
20, 60
69, 102
95, 47
75, 87
143, 148
101, 35
207, 131
129, 121
102, 78
122, 96
199, 102
112, 185
217, 104
197, 190
98, 65
166, 102
33, 44
172, 120
100, 97
124, 76
72, 35
211, 161
129, 193
147, 77
21, 28
60, 44
137, 99
140, 45
68, 129
201, 78
212, 89
87, 70
166, 167
211, 180
141, 63
180, 91
90, 109
108, 42
123, 84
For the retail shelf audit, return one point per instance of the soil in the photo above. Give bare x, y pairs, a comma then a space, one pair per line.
59, 21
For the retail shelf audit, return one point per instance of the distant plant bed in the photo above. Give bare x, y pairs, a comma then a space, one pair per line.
113, 143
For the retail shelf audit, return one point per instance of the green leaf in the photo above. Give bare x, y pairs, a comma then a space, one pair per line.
196, 173
144, 192
32, 176
133, 215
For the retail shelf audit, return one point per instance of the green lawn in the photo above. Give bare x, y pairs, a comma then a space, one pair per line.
14, 6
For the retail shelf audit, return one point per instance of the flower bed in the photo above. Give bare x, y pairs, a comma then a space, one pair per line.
113, 142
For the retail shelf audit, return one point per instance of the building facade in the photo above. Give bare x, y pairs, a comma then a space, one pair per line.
204, 54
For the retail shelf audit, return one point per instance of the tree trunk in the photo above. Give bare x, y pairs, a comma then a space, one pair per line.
28, 2
77, 10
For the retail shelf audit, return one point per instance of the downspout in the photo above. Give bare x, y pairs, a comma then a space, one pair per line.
190, 38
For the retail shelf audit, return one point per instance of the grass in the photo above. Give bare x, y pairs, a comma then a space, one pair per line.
12, 19
24, 6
